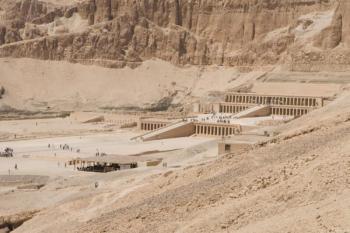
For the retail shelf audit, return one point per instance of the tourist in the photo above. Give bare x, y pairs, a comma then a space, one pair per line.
16, 166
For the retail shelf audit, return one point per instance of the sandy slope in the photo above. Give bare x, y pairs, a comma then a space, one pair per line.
38, 85
61, 85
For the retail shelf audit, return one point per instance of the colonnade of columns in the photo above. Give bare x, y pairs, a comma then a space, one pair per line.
275, 110
217, 130
289, 111
231, 108
273, 100
151, 125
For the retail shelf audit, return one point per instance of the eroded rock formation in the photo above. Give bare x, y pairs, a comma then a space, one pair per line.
197, 32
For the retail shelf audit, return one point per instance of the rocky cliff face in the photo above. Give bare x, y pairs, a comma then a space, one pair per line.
197, 32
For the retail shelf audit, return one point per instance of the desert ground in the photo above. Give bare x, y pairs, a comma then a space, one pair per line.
37, 162
174, 116
295, 181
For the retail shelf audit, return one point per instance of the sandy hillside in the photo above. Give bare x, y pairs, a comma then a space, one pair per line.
66, 86
63, 86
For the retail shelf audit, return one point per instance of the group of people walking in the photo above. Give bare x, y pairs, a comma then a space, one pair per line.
64, 147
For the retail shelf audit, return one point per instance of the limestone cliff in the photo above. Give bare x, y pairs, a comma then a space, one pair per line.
116, 33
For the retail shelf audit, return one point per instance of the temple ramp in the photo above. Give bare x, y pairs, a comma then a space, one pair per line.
256, 111
175, 130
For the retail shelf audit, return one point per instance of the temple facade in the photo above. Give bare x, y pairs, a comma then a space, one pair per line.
280, 105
